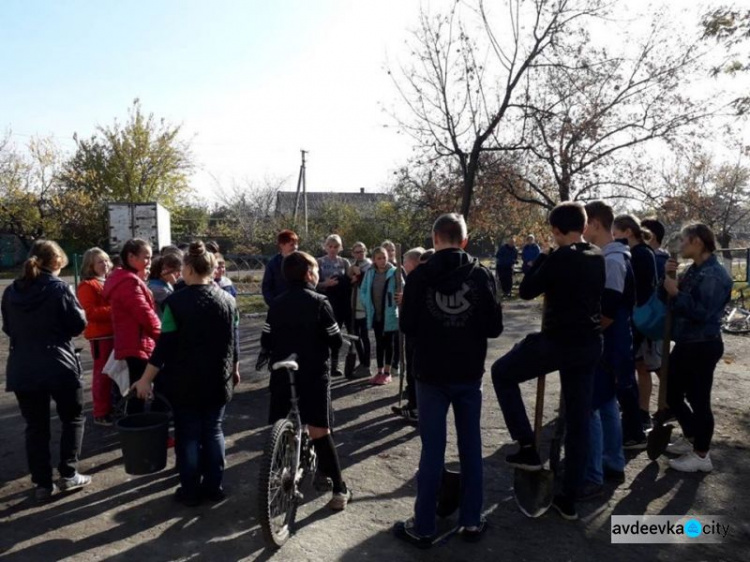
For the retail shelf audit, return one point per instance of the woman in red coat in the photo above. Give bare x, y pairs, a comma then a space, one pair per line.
99, 331
136, 324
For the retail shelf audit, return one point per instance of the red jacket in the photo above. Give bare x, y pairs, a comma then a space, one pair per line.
98, 311
133, 315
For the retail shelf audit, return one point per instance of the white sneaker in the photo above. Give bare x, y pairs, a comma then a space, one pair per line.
691, 462
75, 482
680, 447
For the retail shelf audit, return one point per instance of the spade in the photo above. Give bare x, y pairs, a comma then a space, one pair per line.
659, 436
534, 490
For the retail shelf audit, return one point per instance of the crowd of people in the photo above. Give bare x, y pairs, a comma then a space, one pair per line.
176, 313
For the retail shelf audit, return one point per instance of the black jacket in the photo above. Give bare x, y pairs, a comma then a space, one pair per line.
274, 283
572, 280
197, 347
301, 321
41, 319
644, 268
449, 310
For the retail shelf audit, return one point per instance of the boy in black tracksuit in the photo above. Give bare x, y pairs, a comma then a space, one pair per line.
301, 321
449, 310
572, 281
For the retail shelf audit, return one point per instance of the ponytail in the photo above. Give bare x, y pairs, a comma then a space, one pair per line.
44, 255
31, 269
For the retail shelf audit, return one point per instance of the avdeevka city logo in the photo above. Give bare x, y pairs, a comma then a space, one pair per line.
693, 528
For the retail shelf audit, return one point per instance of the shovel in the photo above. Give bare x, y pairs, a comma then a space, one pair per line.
351, 356
401, 342
557, 439
534, 491
659, 436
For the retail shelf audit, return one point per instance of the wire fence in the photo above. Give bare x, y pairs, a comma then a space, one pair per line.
737, 263
246, 271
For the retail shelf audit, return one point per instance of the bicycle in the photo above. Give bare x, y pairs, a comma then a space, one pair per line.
737, 318
288, 464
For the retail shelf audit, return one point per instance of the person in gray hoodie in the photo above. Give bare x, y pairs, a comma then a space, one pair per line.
606, 457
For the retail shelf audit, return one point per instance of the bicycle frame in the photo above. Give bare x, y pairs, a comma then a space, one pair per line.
294, 417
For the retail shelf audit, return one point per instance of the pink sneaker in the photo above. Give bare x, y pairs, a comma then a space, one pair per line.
381, 379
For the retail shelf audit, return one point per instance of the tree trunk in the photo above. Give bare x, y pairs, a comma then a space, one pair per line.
564, 187
470, 177
724, 239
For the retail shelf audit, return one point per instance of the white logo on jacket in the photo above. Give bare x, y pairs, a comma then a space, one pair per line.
452, 310
453, 304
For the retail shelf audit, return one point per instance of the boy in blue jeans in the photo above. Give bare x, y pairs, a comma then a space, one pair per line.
449, 310
606, 457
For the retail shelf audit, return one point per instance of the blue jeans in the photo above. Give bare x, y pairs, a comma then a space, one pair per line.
199, 446
605, 442
537, 355
434, 401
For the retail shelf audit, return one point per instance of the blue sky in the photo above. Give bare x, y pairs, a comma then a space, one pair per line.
251, 81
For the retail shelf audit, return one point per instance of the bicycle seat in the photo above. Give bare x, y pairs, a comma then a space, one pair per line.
289, 363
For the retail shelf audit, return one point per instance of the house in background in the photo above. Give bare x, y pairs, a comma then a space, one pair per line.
318, 201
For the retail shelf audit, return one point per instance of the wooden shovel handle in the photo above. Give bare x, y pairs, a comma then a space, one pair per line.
539, 410
666, 348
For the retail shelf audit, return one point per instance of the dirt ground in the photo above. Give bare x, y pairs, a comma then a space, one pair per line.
120, 517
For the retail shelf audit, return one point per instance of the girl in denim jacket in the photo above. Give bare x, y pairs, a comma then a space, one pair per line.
697, 302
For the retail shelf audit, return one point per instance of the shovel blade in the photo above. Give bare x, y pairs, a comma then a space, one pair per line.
349, 363
533, 491
658, 439
449, 497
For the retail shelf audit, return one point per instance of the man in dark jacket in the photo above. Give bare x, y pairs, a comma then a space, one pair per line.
572, 281
273, 279
529, 253
301, 321
449, 311
507, 256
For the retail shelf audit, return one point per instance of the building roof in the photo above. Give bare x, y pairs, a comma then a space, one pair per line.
318, 200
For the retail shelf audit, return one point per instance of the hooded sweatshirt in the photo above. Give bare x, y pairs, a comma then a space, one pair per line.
619, 287
449, 310
618, 299
41, 319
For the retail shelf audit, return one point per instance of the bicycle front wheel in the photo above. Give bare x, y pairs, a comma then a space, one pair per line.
276, 490
737, 325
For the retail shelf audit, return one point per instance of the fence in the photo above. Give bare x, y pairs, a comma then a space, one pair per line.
737, 262
246, 272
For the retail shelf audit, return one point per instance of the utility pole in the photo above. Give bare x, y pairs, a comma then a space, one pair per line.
301, 187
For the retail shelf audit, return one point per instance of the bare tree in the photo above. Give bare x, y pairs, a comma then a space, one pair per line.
730, 27
246, 210
717, 194
466, 74
593, 115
